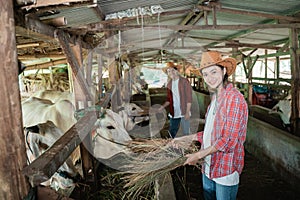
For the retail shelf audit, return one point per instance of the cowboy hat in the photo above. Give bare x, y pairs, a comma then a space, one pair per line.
210, 58
171, 65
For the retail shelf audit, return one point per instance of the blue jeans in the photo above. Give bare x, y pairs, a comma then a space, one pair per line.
174, 126
215, 191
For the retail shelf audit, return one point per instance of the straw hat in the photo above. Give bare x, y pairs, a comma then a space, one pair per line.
171, 65
210, 58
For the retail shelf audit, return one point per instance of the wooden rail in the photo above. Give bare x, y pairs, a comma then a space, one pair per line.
48, 163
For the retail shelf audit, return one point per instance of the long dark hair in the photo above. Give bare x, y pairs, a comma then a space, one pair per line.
225, 79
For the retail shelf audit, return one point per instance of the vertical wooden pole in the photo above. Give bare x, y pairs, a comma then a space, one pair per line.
100, 82
14, 185
81, 97
89, 69
78, 91
277, 70
234, 55
266, 66
295, 84
250, 86
114, 76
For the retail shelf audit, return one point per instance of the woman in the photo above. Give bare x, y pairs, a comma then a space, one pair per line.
224, 134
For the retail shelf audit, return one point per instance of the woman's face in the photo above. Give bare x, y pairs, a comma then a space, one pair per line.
213, 76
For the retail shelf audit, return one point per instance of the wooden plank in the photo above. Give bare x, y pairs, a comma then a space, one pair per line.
47, 164
12, 146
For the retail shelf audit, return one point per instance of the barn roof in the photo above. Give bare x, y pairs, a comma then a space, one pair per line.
154, 31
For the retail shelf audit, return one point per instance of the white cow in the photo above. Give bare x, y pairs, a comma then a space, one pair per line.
54, 95
37, 111
38, 139
111, 136
51, 120
283, 108
132, 115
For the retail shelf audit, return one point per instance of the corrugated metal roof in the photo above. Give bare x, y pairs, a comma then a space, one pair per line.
164, 34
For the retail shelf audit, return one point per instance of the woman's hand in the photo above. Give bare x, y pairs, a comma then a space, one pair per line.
184, 141
193, 159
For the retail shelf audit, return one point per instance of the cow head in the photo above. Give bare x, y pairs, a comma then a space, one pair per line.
111, 136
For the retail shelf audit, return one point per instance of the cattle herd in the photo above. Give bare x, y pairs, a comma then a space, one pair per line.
47, 115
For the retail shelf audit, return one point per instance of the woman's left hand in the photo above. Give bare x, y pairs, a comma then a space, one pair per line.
192, 159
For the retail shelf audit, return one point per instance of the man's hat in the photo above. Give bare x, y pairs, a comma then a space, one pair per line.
171, 65
210, 58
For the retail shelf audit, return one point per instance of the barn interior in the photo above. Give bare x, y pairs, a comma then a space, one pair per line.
108, 53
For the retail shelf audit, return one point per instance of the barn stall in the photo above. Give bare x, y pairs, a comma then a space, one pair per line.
102, 52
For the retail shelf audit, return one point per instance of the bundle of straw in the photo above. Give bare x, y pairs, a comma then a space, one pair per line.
151, 159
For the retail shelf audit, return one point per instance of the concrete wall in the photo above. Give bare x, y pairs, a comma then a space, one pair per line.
276, 148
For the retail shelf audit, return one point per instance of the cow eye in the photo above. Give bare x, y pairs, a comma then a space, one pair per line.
110, 127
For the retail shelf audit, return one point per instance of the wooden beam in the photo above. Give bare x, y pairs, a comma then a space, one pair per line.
48, 163
256, 46
13, 157
43, 3
203, 27
249, 13
73, 63
274, 55
57, 56
46, 65
37, 29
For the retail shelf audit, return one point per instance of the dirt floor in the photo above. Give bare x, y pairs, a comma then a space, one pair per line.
258, 182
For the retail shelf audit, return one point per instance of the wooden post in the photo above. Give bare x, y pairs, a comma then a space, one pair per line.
81, 89
114, 76
277, 70
295, 84
12, 143
234, 55
266, 66
100, 82
250, 88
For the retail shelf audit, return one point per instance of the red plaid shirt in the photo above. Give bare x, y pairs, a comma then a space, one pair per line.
229, 133
185, 93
